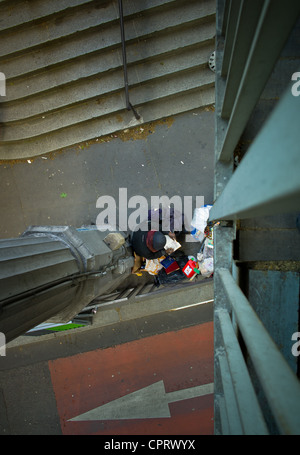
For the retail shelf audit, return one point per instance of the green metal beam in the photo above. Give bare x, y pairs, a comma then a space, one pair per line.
267, 180
247, 21
249, 410
276, 21
281, 386
225, 10
230, 33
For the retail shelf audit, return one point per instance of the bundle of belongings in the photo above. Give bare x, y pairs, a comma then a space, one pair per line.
168, 269
154, 249
177, 269
203, 231
153, 266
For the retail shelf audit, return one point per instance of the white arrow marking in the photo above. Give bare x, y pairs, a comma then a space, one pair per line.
147, 403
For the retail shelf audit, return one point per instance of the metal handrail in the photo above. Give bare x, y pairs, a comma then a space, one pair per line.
278, 173
274, 25
271, 367
128, 103
248, 361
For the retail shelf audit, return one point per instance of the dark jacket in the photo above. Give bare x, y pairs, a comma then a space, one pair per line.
138, 242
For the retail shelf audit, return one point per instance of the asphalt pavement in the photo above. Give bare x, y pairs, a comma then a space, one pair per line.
171, 157
30, 400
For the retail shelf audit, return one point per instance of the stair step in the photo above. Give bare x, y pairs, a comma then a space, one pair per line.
64, 72
73, 22
106, 37
45, 33
20, 13
95, 128
98, 64
92, 88
108, 104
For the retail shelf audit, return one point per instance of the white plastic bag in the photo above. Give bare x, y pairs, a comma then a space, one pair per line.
206, 267
206, 251
199, 222
205, 259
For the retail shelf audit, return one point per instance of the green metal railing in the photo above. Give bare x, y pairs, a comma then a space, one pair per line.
250, 38
271, 22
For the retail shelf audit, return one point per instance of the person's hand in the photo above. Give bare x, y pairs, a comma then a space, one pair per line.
169, 251
172, 235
